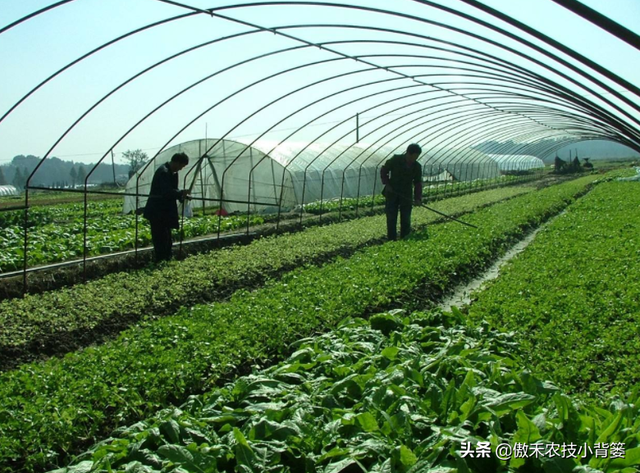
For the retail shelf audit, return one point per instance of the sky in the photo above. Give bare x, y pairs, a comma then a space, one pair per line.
238, 87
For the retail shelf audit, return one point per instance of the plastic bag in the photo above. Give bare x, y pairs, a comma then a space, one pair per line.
185, 209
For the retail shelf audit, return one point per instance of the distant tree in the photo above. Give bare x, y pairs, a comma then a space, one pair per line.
136, 159
82, 174
19, 179
74, 176
3, 180
29, 162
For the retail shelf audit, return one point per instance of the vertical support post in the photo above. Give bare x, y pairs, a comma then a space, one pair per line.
85, 233
113, 166
224, 160
137, 218
249, 194
202, 190
26, 240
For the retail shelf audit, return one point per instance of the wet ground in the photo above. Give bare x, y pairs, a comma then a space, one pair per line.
462, 294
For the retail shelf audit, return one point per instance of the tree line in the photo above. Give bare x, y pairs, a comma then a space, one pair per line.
57, 173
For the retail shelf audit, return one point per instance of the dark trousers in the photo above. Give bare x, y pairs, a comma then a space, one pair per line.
162, 241
394, 204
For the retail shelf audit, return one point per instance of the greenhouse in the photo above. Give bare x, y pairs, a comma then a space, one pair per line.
460, 164
287, 326
263, 176
517, 162
6, 191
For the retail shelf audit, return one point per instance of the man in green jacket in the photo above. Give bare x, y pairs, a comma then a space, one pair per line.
402, 179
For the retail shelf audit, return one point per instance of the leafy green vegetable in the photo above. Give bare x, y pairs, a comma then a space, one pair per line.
50, 409
573, 296
392, 423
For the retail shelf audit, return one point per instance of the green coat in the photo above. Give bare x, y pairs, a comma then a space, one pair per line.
402, 178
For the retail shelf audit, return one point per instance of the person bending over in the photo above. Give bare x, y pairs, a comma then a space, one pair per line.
162, 208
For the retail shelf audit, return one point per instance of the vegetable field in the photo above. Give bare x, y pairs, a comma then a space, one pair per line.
396, 394
57, 233
363, 374
579, 279
54, 323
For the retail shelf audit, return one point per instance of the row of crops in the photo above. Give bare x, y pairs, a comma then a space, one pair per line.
54, 408
403, 392
428, 392
57, 232
392, 394
431, 192
54, 322
573, 297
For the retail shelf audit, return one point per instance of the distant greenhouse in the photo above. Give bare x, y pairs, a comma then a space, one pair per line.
463, 164
517, 162
7, 191
264, 176
261, 176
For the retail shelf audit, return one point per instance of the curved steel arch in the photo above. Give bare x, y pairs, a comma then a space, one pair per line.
550, 41
393, 66
311, 121
467, 129
576, 115
520, 108
601, 114
190, 49
249, 145
275, 30
34, 14
502, 131
129, 131
602, 21
579, 118
370, 121
85, 56
390, 66
574, 121
580, 58
213, 12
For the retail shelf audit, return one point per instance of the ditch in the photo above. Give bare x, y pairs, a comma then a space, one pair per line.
462, 295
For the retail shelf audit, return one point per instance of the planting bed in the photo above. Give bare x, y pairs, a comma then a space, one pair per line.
55, 322
54, 408
57, 233
56, 237
418, 393
393, 394
573, 296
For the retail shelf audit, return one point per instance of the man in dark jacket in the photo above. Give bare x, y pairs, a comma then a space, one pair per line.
162, 209
402, 178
